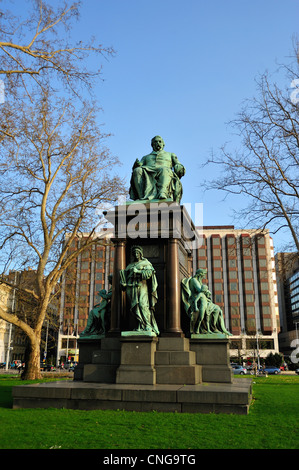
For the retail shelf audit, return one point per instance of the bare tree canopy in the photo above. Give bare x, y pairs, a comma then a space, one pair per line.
54, 166
35, 47
53, 173
266, 168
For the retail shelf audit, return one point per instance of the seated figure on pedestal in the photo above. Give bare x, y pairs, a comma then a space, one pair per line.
200, 308
213, 315
140, 283
157, 175
98, 322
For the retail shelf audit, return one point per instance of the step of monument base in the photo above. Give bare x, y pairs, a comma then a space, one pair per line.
186, 358
179, 374
202, 398
141, 374
217, 373
99, 373
106, 357
167, 343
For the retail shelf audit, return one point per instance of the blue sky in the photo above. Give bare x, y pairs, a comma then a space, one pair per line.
182, 70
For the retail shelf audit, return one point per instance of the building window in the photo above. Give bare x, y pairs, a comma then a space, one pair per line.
233, 286
216, 252
233, 274
217, 275
248, 286
235, 311
266, 310
202, 263
232, 263
246, 251
250, 310
217, 263
250, 323
248, 274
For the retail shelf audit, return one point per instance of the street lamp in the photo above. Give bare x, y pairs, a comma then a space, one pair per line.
257, 349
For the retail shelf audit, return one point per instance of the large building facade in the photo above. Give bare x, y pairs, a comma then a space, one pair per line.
240, 275
287, 268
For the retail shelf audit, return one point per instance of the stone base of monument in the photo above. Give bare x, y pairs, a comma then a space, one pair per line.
212, 353
146, 373
137, 360
102, 364
199, 398
175, 363
151, 360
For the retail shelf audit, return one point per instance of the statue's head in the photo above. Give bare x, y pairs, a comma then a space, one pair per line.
206, 291
201, 273
137, 251
157, 143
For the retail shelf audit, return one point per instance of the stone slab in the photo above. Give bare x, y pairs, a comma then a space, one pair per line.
173, 344
141, 374
215, 373
175, 358
99, 373
106, 356
178, 374
200, 398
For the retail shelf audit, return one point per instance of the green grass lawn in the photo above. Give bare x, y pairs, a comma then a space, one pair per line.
272, 423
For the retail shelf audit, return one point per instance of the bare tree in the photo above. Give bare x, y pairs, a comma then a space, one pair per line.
54, 173
38, 52
266, 169
37, 47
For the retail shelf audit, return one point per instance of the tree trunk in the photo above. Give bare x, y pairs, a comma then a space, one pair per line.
32, 365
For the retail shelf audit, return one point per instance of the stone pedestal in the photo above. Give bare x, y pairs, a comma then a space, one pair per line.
213, 356
86, 348
175, 363
134, 370
164, 238
103, 363
137, 360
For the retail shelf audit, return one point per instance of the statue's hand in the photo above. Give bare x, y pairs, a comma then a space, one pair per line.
179, 170
137, 163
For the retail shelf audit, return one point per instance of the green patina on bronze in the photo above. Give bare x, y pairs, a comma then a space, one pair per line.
157, 175
98, 322
139, 281
206, 318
